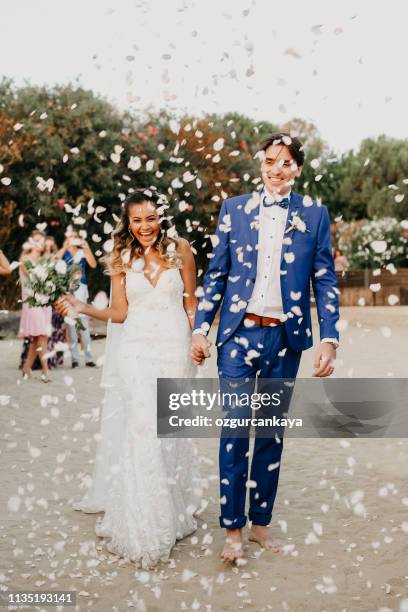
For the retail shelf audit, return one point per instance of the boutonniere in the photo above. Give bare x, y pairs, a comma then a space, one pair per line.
297, 223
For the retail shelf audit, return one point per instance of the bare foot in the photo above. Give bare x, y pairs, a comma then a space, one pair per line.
263, 537
232, 550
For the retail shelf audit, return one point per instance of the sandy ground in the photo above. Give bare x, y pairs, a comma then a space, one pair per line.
341, 511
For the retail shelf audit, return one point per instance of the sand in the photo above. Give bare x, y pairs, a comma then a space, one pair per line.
341, 511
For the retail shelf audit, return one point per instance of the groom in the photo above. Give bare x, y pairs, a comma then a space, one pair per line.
269, 246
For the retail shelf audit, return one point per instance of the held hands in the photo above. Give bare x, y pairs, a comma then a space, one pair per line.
68, 304
200, 348
325, 358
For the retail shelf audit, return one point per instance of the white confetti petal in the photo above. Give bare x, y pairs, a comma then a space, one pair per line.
393, 299
101, 300
218, 144
307, 201
341, 325
176, 183
108, 246
134, 163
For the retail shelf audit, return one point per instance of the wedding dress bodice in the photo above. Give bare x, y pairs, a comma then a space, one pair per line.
157, 325
167, 292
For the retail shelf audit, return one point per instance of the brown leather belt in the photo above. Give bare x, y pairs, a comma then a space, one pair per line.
263, 321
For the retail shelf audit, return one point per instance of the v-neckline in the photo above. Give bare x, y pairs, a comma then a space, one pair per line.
158, 278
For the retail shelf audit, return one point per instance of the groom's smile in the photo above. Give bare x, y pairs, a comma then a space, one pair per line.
279, 169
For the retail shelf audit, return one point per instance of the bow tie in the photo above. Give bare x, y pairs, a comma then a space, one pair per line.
267, 202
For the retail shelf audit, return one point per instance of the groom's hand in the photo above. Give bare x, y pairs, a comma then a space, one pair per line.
200, 348
325, 358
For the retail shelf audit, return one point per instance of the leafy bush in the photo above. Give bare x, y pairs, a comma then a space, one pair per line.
375, 243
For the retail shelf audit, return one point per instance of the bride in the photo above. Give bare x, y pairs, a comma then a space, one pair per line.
146, 486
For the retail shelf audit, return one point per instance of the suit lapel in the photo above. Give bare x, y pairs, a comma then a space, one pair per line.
251, 212
295, 206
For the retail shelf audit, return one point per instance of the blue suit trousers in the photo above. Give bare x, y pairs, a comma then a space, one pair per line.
253, 352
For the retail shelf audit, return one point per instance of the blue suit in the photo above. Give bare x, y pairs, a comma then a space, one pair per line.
230, 278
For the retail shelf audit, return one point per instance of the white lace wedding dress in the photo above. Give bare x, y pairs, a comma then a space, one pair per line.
147, 487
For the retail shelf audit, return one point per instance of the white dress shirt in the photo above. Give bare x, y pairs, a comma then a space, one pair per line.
266, 299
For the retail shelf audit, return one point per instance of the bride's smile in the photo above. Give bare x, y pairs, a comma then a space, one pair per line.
144, 223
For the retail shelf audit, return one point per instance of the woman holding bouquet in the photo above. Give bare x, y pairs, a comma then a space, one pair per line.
144, 484
35, 323
56, 358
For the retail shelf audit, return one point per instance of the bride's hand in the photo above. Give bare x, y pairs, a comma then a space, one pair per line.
199, 348
66, 304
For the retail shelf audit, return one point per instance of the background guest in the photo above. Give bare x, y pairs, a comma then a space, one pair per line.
340, 262
35, 323
57, 324
77, 250
4, 264
58, 327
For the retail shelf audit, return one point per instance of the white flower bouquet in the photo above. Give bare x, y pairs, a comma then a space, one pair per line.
48, 280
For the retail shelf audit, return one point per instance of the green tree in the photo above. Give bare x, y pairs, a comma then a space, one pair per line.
67, 165
68, 156
375, 183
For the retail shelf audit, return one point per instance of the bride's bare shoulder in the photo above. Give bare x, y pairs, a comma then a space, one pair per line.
183, 246
118, 279
185, 252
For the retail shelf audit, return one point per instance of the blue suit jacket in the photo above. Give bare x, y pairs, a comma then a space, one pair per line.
231, 274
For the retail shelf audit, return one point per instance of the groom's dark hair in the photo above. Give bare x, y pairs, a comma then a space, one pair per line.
293, 143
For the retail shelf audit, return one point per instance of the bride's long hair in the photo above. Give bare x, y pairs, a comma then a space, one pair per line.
127, 248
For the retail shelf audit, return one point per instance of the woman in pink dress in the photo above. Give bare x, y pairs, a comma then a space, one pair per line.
55, 358
35, 323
